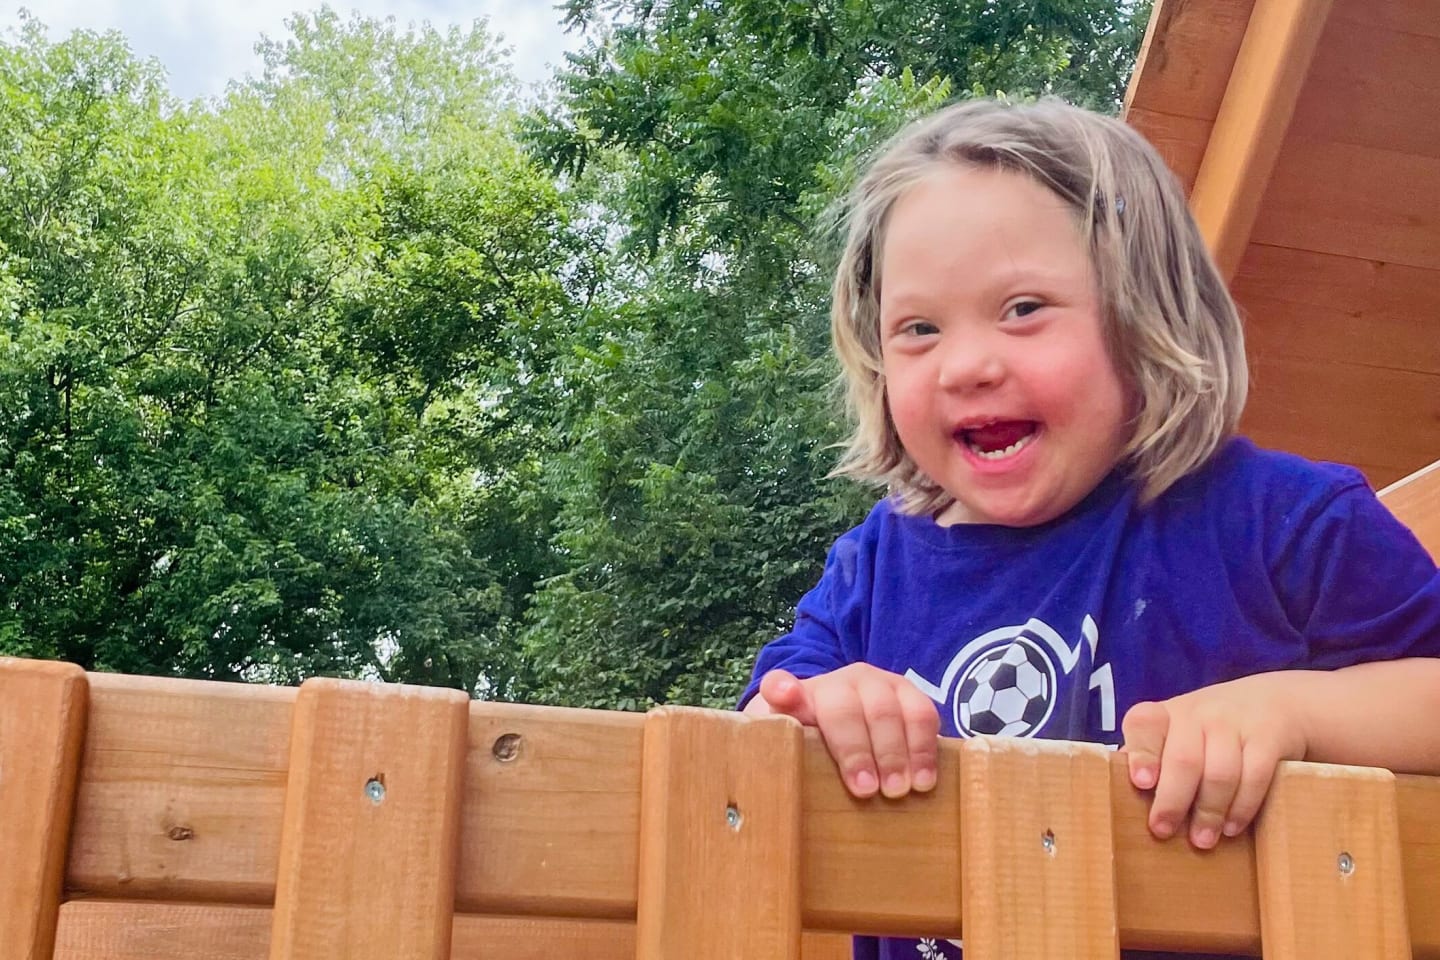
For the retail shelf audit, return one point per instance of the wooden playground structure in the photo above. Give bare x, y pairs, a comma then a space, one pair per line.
157, 819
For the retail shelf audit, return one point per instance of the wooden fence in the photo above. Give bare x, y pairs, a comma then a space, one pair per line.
147, 819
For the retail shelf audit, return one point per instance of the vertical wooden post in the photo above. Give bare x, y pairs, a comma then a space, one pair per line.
719, 837
1327, 850
42, 731
1037, 857
372, 812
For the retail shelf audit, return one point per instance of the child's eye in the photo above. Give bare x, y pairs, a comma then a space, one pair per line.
919, 328
1024, 308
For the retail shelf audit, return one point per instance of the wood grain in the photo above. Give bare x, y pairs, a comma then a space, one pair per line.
1327, 850
719, 837
121, 930
1385, 421
1189, 51
1254, 116
871, 866
1037, 861
372, 819
42, 724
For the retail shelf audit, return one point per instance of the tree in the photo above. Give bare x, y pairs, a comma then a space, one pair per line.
267, 365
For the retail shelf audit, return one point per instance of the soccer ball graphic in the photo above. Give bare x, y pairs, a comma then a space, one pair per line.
1007, 691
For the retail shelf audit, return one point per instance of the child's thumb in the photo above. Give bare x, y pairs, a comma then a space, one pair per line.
787, 695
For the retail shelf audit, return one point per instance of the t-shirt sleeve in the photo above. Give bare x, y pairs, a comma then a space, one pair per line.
830, 620
1358, 585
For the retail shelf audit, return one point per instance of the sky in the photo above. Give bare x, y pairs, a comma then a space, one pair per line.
205, 43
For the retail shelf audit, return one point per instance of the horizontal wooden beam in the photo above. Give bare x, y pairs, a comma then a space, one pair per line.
118, 930
182, 796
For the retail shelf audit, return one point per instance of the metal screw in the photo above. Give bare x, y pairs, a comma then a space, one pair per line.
1047, 840
732, 817
506, 747
1347, 864
375, 790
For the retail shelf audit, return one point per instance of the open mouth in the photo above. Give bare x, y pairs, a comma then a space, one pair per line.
998, 439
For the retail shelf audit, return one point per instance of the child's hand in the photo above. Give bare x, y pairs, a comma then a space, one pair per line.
1211, 754
880, 730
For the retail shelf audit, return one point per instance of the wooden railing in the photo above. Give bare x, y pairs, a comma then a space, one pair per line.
150, 818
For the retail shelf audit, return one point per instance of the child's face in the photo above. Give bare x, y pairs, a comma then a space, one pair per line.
997, 377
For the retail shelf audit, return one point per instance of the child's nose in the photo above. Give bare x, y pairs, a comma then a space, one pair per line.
971, 366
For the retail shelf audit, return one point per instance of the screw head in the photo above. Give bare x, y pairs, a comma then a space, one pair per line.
1047, 840
375, 790
1346, 864
506, 747
733, 817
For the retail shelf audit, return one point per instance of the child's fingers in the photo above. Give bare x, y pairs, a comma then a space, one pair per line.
922, 732
1182, 764
1218, 785
1258, 764
885, 720
1144, 729
840, 717
785, 694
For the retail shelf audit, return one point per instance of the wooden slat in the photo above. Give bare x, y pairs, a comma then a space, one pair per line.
1037, 860
1341, 309
1354, 201
884, 865
182, 790
1418, 798
1384, 421
1350, 94
1415, 500
1327, 849
372, 820
1189, 51
1405, 16
1379, 420
719, 837
552, 812
1264, 85
42, 724
127, 930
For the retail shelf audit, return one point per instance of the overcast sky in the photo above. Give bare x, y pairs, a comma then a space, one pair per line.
204, 43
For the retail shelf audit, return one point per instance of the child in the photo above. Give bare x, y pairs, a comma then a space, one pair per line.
1046, 370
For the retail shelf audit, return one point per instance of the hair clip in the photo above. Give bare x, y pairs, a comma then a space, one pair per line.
1119, 205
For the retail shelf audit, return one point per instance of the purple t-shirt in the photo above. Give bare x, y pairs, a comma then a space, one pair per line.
1257, 561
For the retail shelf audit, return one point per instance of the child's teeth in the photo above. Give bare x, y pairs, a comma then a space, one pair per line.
1008, 451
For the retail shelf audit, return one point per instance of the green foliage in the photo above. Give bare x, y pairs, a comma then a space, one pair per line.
254, 353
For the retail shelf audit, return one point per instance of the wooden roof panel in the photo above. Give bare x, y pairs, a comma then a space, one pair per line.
1372, 87
1420, 17
1386, 423
1353, 201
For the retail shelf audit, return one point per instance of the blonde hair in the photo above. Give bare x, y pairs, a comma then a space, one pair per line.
1170, 326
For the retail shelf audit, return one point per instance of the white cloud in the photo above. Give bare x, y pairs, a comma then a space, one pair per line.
204, 44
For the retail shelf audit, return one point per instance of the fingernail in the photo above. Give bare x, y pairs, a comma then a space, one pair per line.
1233, 829
1145, 778
924, 779
895, 785
865, 782
1163, 829
1204, 838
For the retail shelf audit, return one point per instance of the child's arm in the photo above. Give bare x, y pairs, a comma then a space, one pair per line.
1212, 753
880, 730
